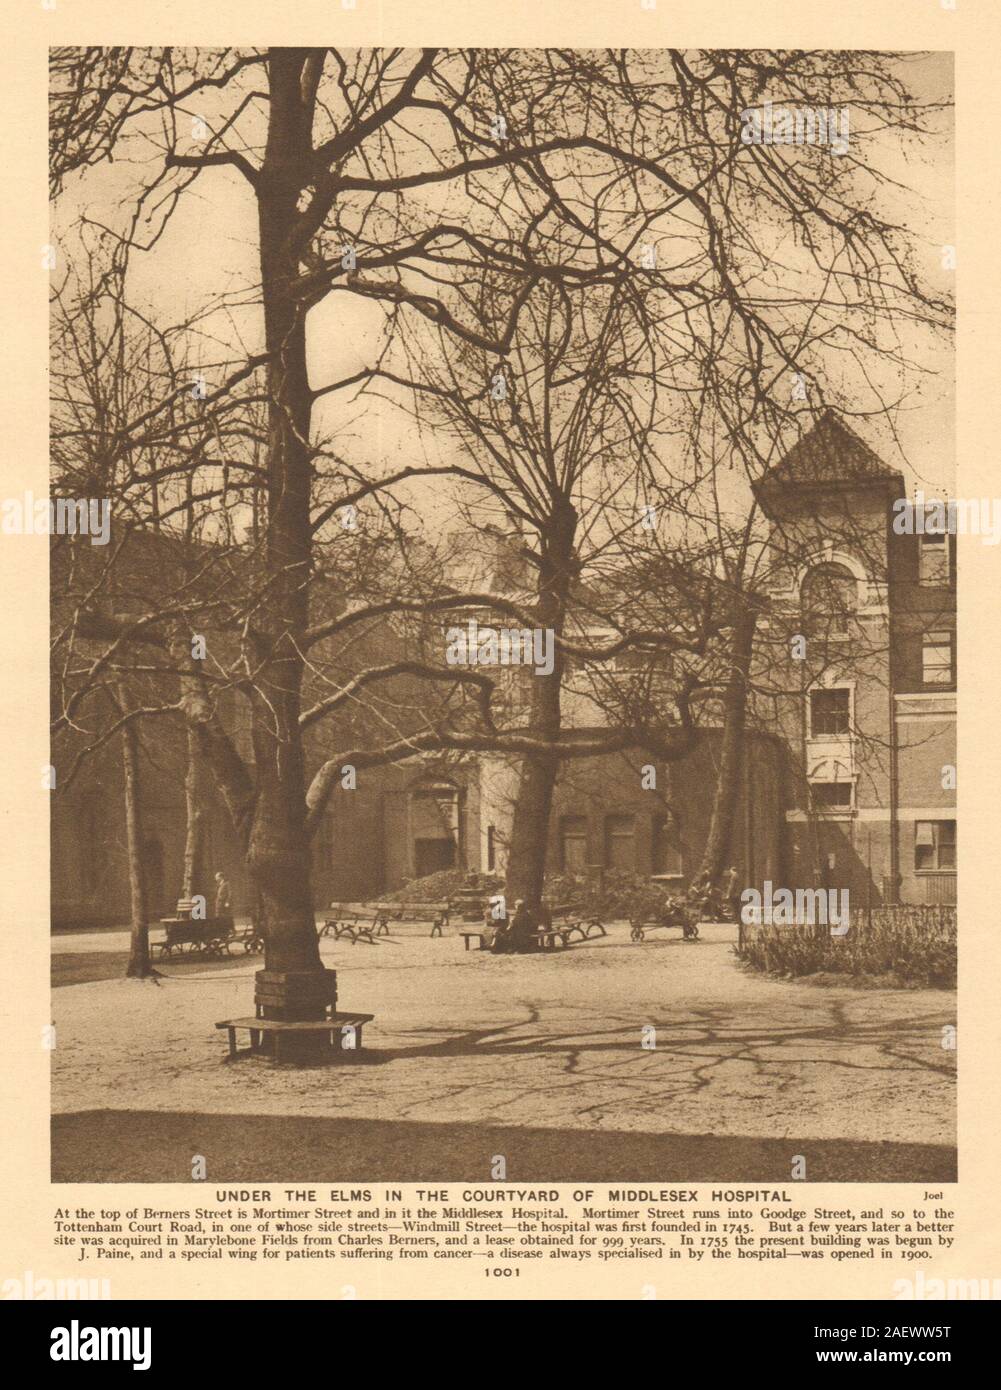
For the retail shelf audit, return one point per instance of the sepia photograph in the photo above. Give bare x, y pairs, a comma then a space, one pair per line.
503, 542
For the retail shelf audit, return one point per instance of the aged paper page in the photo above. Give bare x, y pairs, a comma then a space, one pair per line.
500, 535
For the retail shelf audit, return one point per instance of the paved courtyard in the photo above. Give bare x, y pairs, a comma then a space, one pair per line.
613, 1060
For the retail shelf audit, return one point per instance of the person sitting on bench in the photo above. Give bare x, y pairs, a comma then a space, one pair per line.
491, 927
523, 937
699, 888
502, 942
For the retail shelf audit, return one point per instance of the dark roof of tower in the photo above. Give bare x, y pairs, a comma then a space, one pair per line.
829, 455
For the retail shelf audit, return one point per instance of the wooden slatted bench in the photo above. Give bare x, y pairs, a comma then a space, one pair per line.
336, 1025
347, 914
585, 927
548, 937
348, 922
640, 926
437, 914
568, 920
564, 932
359, 931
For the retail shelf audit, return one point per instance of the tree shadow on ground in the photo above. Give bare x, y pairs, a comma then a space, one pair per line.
158, 1146
704, 1032
87, 967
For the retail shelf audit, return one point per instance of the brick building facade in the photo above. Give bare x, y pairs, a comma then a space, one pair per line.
849, 764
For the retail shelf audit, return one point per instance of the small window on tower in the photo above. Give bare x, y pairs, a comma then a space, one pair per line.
828, 599
830, 713
831, 796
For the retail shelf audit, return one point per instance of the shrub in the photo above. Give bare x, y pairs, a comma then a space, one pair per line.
622, 894
913, 945
433, 888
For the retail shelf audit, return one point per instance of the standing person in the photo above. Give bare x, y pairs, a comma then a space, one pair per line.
731, 902
223, 903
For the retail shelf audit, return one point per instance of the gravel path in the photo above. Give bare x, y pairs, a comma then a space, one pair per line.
666, 1040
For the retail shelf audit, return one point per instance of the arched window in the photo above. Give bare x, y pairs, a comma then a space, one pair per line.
828, 597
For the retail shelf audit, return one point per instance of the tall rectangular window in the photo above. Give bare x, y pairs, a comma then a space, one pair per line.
666, 851
830, 713
573, 844
936, 658
933, 558
935, 844
620, 842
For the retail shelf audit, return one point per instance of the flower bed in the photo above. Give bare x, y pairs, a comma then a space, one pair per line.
906, 944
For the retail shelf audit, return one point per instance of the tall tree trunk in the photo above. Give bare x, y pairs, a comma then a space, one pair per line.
526, 865
279, 856
139, 966
732, 750
194, 870
530, 830
195, 808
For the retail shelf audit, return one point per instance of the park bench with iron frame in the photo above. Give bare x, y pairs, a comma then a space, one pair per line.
683, 915
438, 914
348, 921
547, 937
567, 922
186, 935
564, 932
